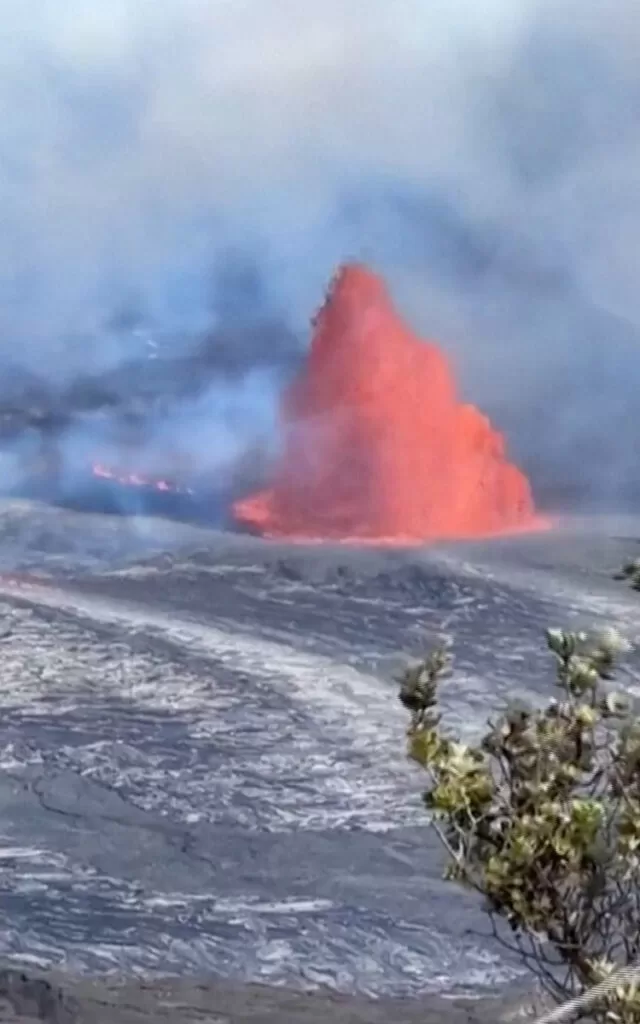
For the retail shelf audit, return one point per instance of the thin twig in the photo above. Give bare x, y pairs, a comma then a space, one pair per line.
575, 1007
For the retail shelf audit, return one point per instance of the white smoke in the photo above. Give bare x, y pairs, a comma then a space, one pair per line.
136, 135
139, 139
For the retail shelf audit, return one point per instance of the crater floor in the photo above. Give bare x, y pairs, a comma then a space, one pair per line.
202, 760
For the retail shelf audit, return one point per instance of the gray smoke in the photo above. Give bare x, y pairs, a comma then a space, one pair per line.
181, 176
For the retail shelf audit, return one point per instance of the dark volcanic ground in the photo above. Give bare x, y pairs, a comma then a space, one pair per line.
201, 750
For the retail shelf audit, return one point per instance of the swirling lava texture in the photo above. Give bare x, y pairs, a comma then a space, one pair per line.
202, 755
376, 444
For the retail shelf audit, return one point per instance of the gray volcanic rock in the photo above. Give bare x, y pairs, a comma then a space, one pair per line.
27, 998
202, 766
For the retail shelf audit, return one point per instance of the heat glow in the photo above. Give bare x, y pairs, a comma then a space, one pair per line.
103, 472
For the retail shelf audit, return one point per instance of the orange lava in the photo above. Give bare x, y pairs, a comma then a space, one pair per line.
377, 446
137, 480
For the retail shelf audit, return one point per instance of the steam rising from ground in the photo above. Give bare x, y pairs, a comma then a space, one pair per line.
483, 157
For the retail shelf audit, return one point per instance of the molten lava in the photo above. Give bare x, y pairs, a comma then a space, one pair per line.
137, 480
376, 444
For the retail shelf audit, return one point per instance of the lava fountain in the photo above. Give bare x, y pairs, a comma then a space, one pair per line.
376, 444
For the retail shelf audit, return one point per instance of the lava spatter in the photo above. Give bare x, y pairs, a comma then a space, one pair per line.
376, 444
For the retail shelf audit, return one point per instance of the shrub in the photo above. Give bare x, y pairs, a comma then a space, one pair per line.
542, 817
630, 573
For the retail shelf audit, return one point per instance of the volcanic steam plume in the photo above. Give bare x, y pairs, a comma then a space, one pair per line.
376, 444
